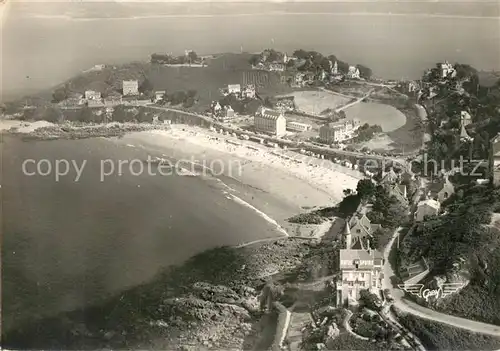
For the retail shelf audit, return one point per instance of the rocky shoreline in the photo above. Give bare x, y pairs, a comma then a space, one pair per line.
211, 301
70, 131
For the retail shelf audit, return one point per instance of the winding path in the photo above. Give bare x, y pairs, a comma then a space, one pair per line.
412, 308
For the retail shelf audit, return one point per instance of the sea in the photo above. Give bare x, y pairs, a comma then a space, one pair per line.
66, 243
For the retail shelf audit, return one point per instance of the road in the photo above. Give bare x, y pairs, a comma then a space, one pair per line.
412, 308
290, 144
306, 146
357, 101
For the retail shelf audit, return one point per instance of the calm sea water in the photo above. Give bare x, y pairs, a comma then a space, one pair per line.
39, 52
66, 243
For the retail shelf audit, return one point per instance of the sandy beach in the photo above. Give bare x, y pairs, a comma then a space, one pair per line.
273, 184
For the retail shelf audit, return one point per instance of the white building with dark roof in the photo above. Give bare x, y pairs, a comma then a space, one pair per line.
447, 70
92, 95
130, 87
270, 121
234, 88
359, 270
353, 72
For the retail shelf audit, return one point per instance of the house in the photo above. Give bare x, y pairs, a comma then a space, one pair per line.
359, 270
113, 100
159, 95
447, 70
441, 189
248, 91
285, 58
399, 191
427, 207
92, 95
334, 132
494, 160
216, 108
95, 103
297, 126
358, 231
130, 87
464, 136
299, 80
465, 118
323, 75
270, 121
353, 72
412, 87
234, 89
389, 177
334, 69
228, 114
276, 67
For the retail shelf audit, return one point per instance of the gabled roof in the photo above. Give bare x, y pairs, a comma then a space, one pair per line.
463, 134
439, 185
269, 114
496, 138
389, 177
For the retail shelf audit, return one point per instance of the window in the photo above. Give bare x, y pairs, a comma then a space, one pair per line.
350, 283
362, 284
358, 230
362, 275
445, 195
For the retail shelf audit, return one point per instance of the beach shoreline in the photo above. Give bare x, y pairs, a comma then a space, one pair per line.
276, 184
277, 188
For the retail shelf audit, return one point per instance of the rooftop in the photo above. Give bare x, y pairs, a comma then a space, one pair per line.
429, 202
268, 113
366, 258
439, 185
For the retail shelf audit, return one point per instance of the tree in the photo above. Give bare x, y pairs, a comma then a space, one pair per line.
143, 117
254, 60
177, 98
369, 300
342, 66
192, 56
119, 114
52, 115
301, 54
188, 102
60, 94
146, 87
364, 72
365, 188
86, 115
191, 93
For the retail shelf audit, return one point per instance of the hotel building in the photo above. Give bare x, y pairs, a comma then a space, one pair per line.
338, 131
359, 270
270, 121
